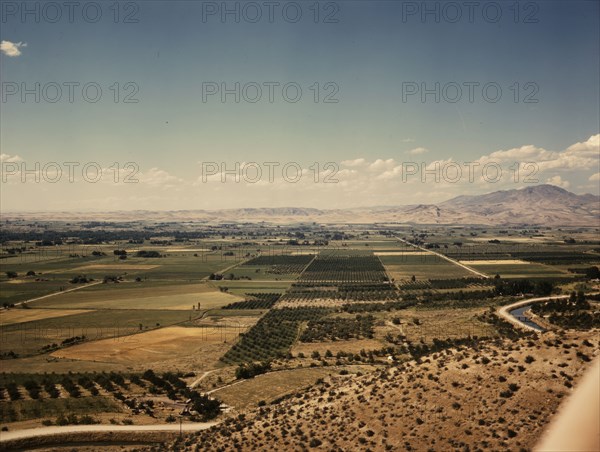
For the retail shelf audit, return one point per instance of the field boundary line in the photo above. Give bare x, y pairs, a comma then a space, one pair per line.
449, 259
57, 293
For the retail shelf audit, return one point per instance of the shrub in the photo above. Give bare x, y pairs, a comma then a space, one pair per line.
251, 370
315, 442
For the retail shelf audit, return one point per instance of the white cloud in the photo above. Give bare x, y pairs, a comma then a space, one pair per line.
361, 181
381, 164
417, 151
589, 148
408, 140
353, 163
527, 153
12, 49
158, 177
579, 156
437, 165
10, 158
558, 181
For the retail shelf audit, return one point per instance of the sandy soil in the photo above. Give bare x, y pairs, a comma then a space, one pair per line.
158, 345
490, 398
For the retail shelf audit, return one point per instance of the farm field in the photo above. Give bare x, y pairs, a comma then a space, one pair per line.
24, 410
422, 266
426, 324
41, 336
241, 287
110, 267
297, 315
162, 345
275, 385
349, 346
53, 274
29, 315
22, 290
517, 269
142, 295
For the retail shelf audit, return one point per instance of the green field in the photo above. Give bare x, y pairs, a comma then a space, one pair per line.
150, 294
519, 270
351, 302
422, 266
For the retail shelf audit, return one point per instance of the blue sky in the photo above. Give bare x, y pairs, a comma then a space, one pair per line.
369, 133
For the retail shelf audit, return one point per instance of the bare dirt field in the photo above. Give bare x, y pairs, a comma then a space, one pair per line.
427, 324
268, 387
153, 346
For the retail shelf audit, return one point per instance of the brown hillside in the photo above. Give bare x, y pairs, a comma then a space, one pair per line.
491, 398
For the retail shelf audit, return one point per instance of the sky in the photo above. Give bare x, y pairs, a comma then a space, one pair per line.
206, 105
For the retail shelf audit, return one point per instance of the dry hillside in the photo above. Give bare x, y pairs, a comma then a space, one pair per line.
499, 396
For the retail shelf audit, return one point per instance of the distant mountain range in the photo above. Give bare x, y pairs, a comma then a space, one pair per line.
539, 205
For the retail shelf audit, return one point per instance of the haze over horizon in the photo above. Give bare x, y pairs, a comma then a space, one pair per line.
551, 190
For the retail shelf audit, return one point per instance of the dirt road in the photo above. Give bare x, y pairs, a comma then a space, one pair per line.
45, 431
455, 262
58, 293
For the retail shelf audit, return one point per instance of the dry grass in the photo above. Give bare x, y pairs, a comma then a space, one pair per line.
158, 346
491, 398
17, 315
422, 324
312, 303
142, 296
350, 346
115, 441
267, 387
